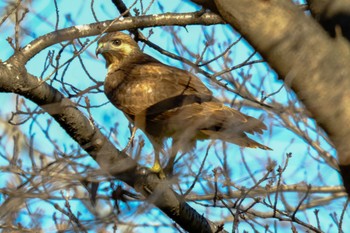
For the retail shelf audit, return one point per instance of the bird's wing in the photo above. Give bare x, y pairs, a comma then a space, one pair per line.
182, 81
151, 83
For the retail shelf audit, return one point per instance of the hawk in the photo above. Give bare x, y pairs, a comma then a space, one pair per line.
167, 102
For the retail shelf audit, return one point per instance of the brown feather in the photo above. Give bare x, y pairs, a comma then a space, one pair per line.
166, 102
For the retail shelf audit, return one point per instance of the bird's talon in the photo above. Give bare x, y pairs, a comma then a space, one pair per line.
158, 170
161, 175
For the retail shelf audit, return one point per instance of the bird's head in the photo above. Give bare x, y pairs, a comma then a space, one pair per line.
116, 48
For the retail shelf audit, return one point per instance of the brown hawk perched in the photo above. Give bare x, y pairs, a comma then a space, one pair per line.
167, 102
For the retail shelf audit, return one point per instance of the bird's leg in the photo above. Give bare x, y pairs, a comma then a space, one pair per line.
157, 168
170, 165
156, 165
169, 168
133, 132
158, 147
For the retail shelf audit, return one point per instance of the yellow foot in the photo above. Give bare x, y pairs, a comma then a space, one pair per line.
158, 169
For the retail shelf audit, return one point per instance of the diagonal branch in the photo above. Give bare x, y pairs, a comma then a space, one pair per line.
15, 79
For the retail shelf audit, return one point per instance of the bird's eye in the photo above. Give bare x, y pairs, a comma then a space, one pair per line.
117, 42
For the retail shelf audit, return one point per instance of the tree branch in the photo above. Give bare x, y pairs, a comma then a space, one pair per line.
15, 79
333, 15
119, 24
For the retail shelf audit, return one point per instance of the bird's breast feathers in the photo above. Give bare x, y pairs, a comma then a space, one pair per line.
136, 87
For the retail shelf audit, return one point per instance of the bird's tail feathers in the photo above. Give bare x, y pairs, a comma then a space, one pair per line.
253, 126
247, 142
241, 140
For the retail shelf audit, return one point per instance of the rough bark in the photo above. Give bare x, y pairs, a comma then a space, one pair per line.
334, 16
311, 62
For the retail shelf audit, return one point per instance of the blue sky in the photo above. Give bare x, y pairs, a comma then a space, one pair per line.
303, 167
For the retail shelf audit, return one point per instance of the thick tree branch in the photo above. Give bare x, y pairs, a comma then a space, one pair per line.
334, 17
16, 79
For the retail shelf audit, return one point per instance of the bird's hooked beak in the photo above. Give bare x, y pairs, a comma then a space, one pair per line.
101, 48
